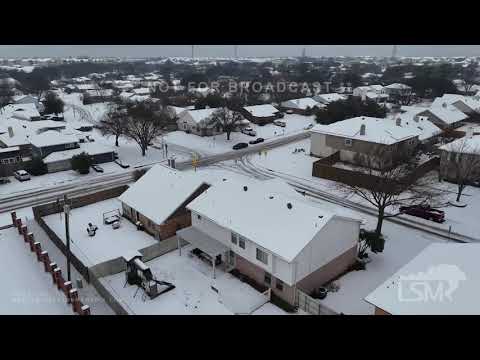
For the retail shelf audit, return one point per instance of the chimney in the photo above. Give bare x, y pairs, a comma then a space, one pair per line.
10, 131
444, 105
362, 129
399, 121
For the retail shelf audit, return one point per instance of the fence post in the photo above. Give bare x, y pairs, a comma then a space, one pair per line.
45, 259
14, 218
18, 223
67, 287
31, 241
38, 249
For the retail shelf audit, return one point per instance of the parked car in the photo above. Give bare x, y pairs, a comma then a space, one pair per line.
21, 175
279, 123
308, 127
4, 180
289, 111
249, 131
121, 164
97, 168
425, 212
256, 141
240, 146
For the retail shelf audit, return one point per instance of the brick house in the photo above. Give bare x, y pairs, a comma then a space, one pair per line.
158, 200
363, 136
271, 234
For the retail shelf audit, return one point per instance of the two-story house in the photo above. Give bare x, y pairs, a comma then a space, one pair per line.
364, 136
272, 235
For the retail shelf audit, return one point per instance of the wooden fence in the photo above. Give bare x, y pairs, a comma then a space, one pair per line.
323, 169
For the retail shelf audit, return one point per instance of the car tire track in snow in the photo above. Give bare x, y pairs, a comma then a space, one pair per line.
312, 191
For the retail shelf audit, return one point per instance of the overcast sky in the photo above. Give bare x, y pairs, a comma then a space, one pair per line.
228, 50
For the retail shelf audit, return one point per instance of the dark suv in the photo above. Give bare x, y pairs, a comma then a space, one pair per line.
425, 212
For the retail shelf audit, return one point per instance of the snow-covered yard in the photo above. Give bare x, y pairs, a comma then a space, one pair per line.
209, 145
26, 288
193, 294
108, 243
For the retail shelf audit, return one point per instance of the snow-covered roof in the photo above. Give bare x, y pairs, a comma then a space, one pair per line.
9, 149
380, 131
89, 148
454, 267
100, 92
449, 114
373, 95
302, 103
261, 214
20, 111
160, 192
465, 145
450, 99
141, 91
201, 115
426, 128
398, 86
52, 137
265, 110
328, 98
177, 110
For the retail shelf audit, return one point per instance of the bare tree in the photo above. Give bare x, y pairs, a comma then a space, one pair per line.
460, 162
387, 181
470, 76
113, 123
227, 120
144, 124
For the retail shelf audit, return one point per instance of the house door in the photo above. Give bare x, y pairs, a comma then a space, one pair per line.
231, 258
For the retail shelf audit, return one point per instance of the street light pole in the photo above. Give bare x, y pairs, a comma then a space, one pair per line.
66, 209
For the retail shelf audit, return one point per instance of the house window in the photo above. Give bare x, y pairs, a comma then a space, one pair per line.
348, 142
267, 279
234, 238
279, 284
241, 242
262, 256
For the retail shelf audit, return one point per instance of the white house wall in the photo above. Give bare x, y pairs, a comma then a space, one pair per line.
318, 146
277, 267
338, 236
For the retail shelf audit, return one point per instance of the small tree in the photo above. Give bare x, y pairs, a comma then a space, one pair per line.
392, 183
226, 120
37, 167
144, 124
81, 163
114, 123
462, 162
470, 76
350, 108
53, 104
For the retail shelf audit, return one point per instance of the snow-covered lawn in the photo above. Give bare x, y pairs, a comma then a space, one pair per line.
209, 145
108, 243
26, 288
193, 294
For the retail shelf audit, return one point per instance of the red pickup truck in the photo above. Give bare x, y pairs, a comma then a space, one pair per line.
425, 212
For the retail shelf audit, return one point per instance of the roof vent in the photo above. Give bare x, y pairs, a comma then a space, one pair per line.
270, 197
320, 216
444, 104
362, 129
245, 188
289, 205
224, 179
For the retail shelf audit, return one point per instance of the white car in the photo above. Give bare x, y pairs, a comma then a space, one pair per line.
249, 131
308, 127
21, 175
280, 123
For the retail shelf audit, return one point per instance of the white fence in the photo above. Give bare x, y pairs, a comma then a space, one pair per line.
311, 305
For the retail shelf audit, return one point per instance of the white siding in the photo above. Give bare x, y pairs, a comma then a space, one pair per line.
338, 236
318, 146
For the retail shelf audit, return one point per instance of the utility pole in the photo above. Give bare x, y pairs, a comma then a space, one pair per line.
66, 209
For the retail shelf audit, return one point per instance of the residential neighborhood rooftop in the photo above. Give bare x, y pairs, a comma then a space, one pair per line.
377, 130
